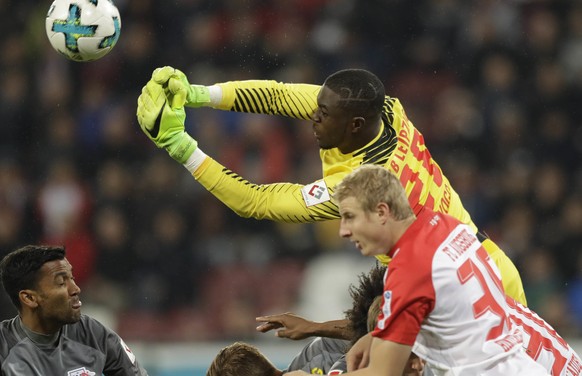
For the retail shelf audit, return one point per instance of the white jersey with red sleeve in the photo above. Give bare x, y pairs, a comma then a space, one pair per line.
443, 296
543, 343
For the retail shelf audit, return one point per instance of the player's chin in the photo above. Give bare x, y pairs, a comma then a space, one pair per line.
74, 316
365, 251
370, 251
324, 145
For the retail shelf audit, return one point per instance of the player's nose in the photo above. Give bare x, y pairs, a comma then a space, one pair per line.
74, 288
344, 231
316, 116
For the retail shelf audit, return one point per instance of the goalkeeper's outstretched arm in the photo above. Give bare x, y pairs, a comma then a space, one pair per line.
285, 202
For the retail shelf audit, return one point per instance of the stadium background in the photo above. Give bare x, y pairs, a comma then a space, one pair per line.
495, 87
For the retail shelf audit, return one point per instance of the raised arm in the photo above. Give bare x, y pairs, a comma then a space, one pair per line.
284, 202
252, 96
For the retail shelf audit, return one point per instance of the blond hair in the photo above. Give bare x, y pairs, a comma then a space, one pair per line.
371, 185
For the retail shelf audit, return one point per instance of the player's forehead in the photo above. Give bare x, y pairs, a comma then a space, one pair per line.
54, 268
327, 98
349, 204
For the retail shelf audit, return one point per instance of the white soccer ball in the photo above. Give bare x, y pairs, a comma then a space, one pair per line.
83, 30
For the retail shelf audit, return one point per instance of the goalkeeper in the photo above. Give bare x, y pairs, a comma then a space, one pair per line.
354, 123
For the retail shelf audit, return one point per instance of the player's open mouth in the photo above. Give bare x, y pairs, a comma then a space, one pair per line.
77, 305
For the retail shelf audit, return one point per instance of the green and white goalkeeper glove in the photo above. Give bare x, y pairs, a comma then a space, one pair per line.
178, 90
162, 124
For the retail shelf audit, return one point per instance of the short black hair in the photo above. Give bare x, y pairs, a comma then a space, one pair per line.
19, 269
361, 92
370, 286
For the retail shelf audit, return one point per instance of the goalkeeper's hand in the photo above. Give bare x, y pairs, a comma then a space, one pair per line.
178, 90
162, 124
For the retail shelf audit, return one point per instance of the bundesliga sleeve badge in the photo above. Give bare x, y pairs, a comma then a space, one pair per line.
315, 193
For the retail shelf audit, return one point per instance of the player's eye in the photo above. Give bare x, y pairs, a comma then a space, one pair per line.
320, 112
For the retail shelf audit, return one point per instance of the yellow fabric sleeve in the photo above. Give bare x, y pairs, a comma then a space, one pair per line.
269, 97
283, 202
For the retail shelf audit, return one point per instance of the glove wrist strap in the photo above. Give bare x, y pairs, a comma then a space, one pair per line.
183, 148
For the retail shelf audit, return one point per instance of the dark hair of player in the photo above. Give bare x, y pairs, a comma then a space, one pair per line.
369, 287
19, 269
361, 92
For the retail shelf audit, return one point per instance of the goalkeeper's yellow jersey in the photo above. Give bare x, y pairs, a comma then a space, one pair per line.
399, 147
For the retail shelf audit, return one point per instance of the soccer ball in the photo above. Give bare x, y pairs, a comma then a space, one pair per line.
83, 30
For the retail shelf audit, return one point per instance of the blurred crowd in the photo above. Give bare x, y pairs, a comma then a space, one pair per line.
494, 86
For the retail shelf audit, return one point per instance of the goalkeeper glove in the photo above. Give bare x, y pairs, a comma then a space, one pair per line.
178, 90
163, 124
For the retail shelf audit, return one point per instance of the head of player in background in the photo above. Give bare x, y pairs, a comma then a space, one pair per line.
374, 312
370, 285
241, 359
349, 110
39, 281
366, 306
374, 209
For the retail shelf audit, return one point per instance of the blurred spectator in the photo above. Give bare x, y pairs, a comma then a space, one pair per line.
64, 207
574, 292
541, 281
570, 247
108, 287
15, 204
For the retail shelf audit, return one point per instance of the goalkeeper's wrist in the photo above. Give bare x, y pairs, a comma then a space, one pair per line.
195, 160
204, 96
181, 147
215, 95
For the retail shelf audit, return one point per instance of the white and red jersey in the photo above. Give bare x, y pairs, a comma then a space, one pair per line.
443, 296
543, 343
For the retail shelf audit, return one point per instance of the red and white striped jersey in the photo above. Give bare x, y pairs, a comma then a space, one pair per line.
543, 343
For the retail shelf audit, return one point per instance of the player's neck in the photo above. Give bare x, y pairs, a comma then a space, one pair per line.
32, 323
402, 226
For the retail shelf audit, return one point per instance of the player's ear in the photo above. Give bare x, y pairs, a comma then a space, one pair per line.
383, 211
28, 298
358, 123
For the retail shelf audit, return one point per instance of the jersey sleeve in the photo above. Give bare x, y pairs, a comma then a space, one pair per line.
339, 367
119, 359
319, 355
406, 302
281, 202
403, 325
297, 101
